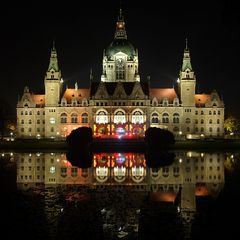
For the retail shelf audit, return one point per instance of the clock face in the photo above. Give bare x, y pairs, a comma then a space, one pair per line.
120, 62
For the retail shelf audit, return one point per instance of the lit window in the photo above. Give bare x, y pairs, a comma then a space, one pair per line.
137, 117
119, 117
52, 120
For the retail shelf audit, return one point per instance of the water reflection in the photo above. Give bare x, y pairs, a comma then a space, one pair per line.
121, 192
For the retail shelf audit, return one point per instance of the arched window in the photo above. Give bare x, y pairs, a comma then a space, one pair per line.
165, 118
29, 121
188, 120
38, 112
101, 117
120, 69
84, 118
119, 117
74, 118
210, 112
210, 121
188, 129
218, 121
154, 118
38, 121
202, 129
137, 117
63, 118
210, 129
176, 118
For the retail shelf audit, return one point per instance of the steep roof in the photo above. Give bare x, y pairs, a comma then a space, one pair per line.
78, 94
161, 93
201, 99
39, 99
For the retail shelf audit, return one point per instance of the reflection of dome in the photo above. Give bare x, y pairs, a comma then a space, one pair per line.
120, 45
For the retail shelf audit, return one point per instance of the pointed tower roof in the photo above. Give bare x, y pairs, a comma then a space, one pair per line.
53, 63
120, 42
120, 32
186, 59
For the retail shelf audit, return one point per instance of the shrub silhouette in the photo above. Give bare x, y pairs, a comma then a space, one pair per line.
80, 147
158, 138
82, 136
157, 144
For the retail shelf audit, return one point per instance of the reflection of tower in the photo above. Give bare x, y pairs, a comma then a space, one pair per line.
187, 206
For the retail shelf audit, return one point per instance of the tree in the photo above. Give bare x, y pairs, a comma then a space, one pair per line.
157, 143
158, 138
4, 115
80, 147
232, 125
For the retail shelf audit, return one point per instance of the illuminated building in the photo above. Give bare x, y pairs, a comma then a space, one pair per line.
120, 104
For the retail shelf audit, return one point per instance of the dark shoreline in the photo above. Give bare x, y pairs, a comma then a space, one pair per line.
113, 145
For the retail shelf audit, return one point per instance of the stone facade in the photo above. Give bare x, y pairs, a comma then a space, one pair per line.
120, 104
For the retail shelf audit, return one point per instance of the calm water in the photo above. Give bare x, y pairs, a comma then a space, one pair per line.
119, 197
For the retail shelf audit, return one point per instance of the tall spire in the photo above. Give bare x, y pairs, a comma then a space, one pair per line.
186, 59
53, 64
120, 32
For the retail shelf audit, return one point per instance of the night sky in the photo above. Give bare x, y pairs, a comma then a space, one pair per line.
158, 30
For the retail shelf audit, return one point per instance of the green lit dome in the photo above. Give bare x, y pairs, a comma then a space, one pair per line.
120, 45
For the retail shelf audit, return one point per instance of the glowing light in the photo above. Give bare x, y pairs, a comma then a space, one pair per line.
180, 132
178, 80
180, 160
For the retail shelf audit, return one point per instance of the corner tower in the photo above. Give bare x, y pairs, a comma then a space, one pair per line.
52, 81
187, 80
120, 60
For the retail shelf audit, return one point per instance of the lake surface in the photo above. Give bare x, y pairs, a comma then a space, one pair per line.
197, 196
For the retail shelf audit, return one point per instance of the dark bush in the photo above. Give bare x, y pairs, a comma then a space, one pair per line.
158, 138
80, 147
157, 144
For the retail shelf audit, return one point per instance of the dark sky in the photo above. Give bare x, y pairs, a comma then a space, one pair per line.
157, 30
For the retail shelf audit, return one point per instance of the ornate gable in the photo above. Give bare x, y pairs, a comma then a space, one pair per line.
119, 92
137, 92
101, 92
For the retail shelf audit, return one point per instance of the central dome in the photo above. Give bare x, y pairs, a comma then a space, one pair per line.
120, 45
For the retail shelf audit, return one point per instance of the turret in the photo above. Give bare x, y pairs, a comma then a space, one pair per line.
53, 81
187, 80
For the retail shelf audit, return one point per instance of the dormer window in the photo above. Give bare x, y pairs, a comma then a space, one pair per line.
74, 102
64, 102
165, 102
175, 102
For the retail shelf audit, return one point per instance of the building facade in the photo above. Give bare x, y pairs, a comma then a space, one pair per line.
120, 104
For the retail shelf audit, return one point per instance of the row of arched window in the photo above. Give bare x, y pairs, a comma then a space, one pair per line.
119, 117
176, 119
74, 118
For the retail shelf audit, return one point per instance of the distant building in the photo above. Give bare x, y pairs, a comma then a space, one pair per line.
119, 104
